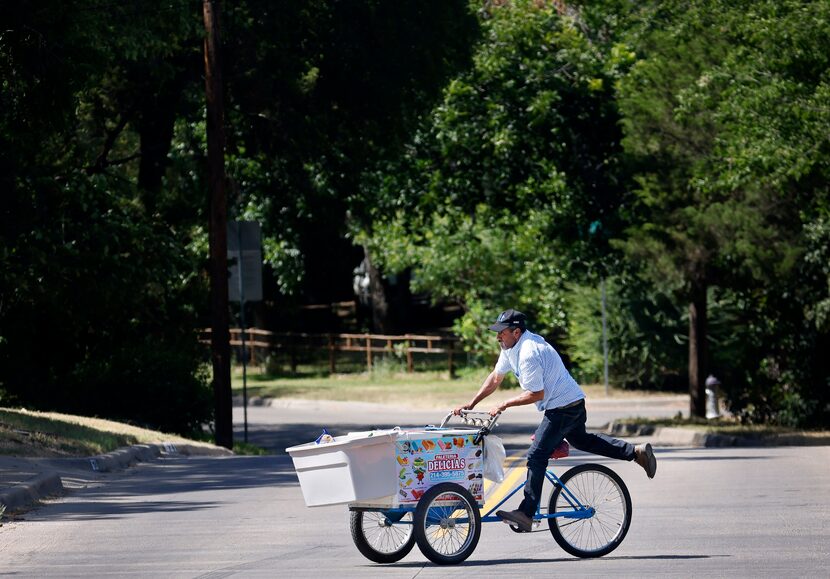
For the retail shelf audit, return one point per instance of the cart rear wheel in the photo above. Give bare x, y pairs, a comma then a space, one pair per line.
380, 538
447, 524
596, 487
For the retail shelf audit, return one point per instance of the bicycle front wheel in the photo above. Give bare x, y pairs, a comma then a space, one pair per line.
381, 539
595, 487
447, 524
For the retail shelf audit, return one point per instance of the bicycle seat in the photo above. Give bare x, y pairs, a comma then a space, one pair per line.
561, 451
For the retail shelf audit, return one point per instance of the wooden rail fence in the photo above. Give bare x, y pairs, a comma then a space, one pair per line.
262, 342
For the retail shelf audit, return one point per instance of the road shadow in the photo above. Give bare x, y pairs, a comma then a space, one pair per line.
115, 498
524, 560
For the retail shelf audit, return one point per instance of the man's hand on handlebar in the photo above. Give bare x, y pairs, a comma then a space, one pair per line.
497, 409
457, 411
481, 419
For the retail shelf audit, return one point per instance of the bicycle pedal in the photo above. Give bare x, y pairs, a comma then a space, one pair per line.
536, 523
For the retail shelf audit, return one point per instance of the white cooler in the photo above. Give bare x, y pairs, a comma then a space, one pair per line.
387, 468
359, 466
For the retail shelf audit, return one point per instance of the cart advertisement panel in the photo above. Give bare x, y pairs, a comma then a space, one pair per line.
425, 460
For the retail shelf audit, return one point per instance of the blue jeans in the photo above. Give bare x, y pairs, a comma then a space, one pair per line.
559, 424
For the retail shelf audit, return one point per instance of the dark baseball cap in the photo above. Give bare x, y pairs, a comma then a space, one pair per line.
509, 319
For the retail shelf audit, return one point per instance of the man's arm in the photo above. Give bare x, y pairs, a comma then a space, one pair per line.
533, 388
520, 400
490, 385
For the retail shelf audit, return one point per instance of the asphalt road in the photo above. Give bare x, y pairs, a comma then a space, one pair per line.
708, 513
731, 512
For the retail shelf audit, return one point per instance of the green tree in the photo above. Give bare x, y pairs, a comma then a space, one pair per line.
317, 92
493, 200
713, 209
677, 230
775, 112
102, 148
100, 294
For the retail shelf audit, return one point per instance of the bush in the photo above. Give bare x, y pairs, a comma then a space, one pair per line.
97, 311
645, 335
157, 383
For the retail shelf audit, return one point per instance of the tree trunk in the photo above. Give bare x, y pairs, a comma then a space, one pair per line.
380, 306
697, 351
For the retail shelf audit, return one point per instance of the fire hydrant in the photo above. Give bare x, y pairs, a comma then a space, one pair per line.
712, 405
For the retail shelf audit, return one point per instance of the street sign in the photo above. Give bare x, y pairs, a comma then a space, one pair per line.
245, 282
245, 248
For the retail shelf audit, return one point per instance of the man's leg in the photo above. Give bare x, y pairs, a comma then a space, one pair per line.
549, 434
597, 443
608, 446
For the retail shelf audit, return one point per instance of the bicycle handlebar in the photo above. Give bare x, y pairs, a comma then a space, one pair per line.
474, 418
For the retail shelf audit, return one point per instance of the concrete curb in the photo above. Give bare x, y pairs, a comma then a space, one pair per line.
42, 486
196, 450
128, 456
124, 457
50, 484
676, 436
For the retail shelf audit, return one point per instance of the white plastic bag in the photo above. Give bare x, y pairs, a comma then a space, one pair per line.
494, 456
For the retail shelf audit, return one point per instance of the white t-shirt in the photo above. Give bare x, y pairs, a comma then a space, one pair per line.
538, 367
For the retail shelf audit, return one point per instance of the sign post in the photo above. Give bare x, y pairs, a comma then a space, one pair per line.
244, 284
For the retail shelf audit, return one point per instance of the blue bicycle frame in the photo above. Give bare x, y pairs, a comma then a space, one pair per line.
579, 511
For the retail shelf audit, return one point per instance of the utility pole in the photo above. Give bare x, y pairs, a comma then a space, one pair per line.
220, 332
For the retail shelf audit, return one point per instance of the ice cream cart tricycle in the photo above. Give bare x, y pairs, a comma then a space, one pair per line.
426, 486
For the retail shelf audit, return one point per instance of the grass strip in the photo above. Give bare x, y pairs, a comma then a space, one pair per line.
51, 434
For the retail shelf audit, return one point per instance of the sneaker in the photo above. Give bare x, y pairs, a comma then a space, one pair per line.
517, 518
644, 456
